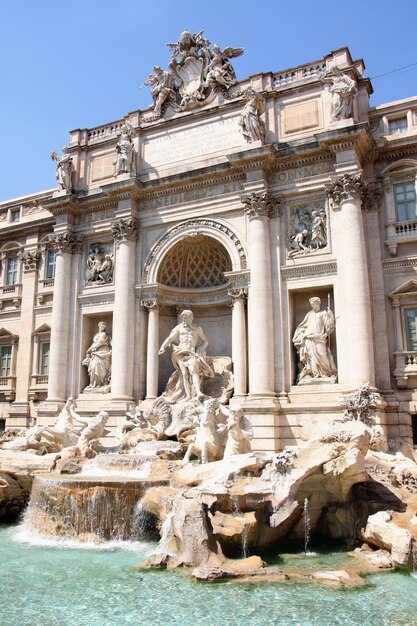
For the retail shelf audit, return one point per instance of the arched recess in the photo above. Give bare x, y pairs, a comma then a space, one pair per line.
402, 164
213, 229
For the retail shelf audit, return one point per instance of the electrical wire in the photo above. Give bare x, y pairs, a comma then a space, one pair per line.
399, 69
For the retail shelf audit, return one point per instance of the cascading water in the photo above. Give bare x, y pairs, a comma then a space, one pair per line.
117, 465
234, 505
167, 535
307, 527
414, 553
87, 508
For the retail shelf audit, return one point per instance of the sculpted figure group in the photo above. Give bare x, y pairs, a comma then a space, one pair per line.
308, 232
195, 73
99, 265
69, 430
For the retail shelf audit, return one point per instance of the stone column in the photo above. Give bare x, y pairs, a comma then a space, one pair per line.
152, 363
346, 192
65, 244
125, 235
238, 297
260, 320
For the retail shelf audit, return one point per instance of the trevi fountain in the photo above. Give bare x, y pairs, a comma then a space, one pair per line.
185, 463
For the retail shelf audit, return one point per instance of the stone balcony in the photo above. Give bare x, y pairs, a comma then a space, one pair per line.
10, 294
405, 372
8, 388
38, 387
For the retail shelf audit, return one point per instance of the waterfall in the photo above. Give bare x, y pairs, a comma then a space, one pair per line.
167, 534
414, 553
89, 508
234, 505
306, 526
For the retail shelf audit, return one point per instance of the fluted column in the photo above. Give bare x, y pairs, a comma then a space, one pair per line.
66, 245
260, 321
238, 297
347, 192
125, 235
152, 362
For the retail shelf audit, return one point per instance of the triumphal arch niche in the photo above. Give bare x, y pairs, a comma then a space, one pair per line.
199, 265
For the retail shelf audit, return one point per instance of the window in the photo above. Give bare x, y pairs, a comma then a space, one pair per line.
405, 201
411, 328
5, 360
11, 270
50, 264
397, 126
44, 358
15, 215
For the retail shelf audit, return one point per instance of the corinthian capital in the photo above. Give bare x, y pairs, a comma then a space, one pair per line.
346, 187
236, 294
66, 242
124, 230
29, 260
259, 205
150, 305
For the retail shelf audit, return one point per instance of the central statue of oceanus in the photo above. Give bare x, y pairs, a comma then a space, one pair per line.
188, 343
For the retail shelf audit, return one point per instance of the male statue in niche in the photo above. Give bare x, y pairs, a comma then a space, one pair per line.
311, 338
188, 343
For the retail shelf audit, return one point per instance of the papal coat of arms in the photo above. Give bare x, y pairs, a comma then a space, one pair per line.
195, 74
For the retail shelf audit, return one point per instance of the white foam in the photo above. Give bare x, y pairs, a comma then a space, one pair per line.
22, 535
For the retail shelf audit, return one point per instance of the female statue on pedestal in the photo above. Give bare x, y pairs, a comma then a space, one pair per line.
311, 338
98, 360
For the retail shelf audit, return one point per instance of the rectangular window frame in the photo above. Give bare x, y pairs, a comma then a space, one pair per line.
12, 270
50, 264
6, 356
43, 366
406, 210
398, 125
411, 342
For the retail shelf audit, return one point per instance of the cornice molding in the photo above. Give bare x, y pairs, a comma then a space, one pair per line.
299, 272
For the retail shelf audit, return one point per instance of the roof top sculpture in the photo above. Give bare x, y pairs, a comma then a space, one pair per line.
195, 74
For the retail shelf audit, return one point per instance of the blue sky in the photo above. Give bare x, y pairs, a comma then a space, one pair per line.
80, 64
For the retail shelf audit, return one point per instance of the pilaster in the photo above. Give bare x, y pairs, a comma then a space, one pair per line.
29, 259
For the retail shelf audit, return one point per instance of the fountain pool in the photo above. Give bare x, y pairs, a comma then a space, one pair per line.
56, 582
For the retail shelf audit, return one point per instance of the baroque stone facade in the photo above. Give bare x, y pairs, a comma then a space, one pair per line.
280, 209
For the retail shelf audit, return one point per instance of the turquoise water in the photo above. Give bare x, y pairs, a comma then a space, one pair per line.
60, 585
